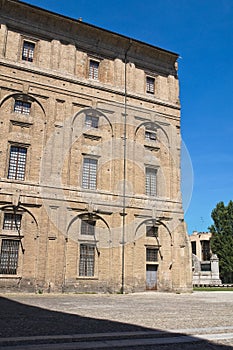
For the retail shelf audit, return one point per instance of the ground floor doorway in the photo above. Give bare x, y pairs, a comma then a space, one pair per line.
151, 277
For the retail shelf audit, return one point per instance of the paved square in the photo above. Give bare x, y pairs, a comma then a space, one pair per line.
202, 320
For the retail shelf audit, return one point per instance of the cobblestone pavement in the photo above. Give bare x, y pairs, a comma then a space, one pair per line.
161, 321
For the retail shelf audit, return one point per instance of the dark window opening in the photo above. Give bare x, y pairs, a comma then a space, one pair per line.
150, 85
205, 267
88, 227
151, 231
94, 70
194, 248
150, 135
205, 249
152, 254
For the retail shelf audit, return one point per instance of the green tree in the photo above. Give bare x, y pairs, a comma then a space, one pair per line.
222, 239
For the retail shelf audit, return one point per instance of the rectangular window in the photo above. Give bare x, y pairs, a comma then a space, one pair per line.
12, 221
205, 249
17, 163
87, 260
150, 85
152, 254
89, 173
150, 135
88, 227
91, 121
205, 267
194, 248
22, 107
151, 231
28, 51
9, 256
151, 182
94, 70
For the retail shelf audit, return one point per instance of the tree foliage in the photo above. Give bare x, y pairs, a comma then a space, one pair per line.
222, 239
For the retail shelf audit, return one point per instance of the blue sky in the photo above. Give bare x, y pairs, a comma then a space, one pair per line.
201, 31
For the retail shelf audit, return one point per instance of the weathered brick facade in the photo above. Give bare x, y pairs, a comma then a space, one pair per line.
90, 159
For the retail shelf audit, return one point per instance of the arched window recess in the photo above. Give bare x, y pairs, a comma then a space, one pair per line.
16, 210
90, 217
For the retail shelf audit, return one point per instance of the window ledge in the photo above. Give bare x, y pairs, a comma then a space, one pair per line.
152, 262
92, 134
22, 124
87, 278
10, 276
152, 145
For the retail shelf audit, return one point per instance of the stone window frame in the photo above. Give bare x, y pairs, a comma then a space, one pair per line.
9, 255
88, 227
32, 41
152, 254
89, 172
22, 106
11, 221
26, 114
150, 84
91, 121
93, 69
152, 231
19, 162
87, 260
151, 184
150, 135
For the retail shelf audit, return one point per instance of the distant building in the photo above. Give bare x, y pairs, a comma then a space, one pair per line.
205, 264
90, 159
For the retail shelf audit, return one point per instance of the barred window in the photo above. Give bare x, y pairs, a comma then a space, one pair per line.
88, 227
150, 85
150, 135
152, 254
22, 107
12, 221
89, 173
151, 231
94, 70
151, 181
9, 256
91, 121
28, 51
17, 163
87, 260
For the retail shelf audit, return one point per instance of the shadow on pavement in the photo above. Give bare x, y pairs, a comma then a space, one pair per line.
21, 320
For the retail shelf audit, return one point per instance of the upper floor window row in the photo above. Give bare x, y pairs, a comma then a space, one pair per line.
28, 54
